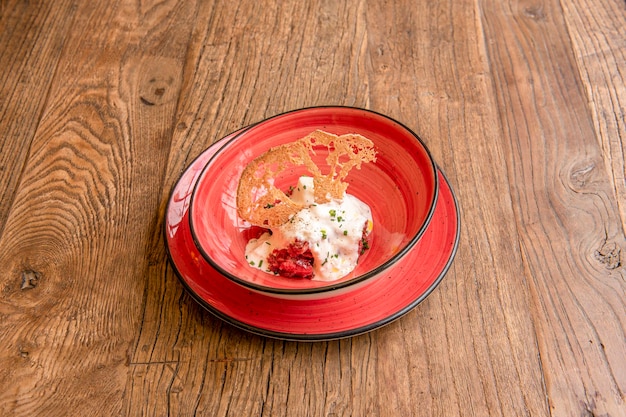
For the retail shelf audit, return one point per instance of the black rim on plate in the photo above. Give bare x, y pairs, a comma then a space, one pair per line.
312, 337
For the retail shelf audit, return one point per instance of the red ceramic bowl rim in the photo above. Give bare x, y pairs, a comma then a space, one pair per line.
331, 286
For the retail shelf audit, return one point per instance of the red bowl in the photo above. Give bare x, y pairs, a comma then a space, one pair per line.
400, 187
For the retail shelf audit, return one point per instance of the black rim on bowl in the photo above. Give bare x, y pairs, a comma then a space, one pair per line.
331, 286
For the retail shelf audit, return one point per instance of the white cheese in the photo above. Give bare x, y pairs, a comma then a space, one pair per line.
333, 230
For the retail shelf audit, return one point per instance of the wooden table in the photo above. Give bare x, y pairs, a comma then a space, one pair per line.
104, 103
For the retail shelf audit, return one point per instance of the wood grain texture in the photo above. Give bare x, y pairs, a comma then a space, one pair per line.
598, 42
567, 212
521, 104
83, 212
448, 78
31, 40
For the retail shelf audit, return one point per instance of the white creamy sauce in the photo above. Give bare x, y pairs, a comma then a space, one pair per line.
333, 231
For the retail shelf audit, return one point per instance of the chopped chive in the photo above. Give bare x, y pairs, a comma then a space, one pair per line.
345, 233
365, 245
252, 263
260, 263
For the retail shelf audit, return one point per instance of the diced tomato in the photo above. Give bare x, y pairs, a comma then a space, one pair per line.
294, 261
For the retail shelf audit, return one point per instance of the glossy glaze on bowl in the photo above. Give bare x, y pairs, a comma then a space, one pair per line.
400, 188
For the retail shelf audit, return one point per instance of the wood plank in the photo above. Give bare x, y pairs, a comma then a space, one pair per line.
30, 45
597, 33
220, 370
183, 371
476, 327
565, 205
88, 202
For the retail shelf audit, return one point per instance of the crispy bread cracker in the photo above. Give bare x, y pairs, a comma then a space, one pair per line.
263, 204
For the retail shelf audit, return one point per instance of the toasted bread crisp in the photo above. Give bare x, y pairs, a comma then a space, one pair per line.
261, 203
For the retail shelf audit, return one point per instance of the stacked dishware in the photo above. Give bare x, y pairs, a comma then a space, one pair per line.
411, 246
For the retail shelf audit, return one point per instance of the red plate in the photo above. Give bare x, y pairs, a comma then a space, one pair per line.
366, 308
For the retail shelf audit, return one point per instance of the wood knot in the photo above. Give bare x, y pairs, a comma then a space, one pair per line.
582, 175
159, 81
609, 255
23, 352
154, 92
535, 13
30, 279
